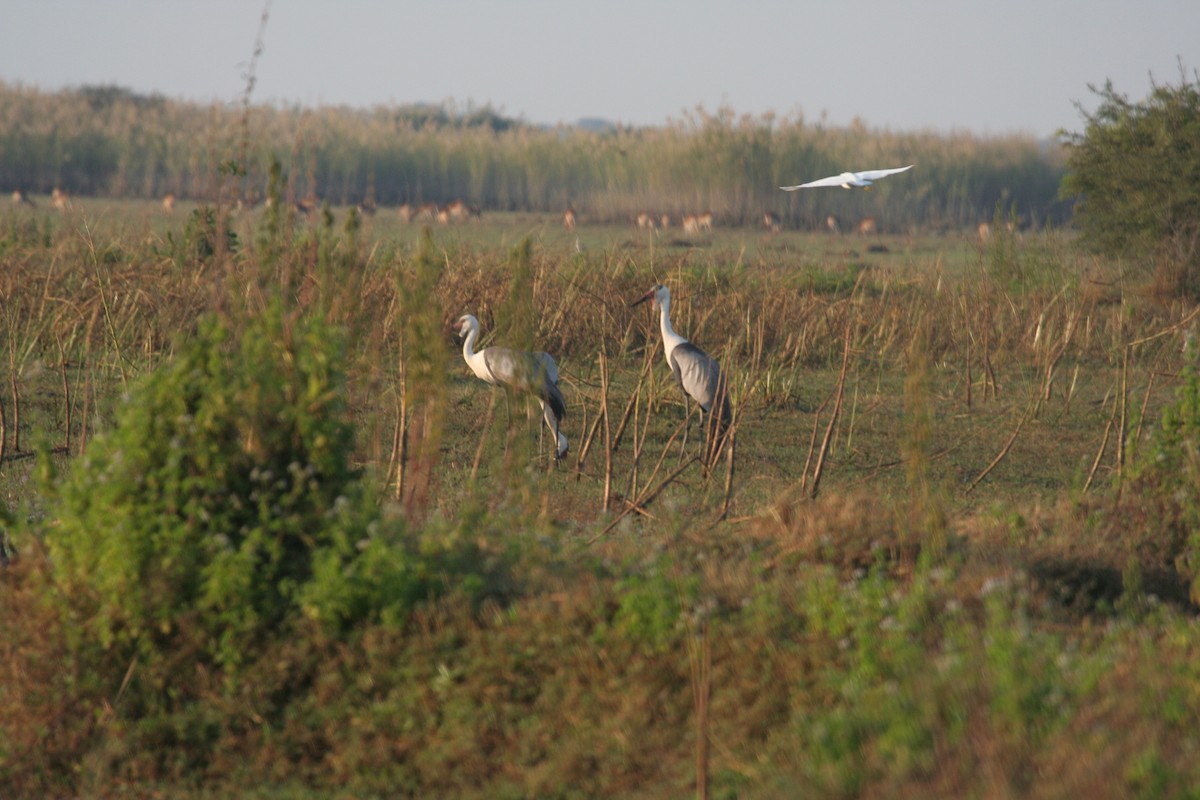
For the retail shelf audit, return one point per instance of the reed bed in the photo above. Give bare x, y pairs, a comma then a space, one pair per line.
106, 141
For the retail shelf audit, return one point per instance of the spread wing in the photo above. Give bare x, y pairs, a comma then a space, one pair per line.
876, 174
832, 180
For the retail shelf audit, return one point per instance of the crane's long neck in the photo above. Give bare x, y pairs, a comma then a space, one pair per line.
469, 345
671, 339
474, 360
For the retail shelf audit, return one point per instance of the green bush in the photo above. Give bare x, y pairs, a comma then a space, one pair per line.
222, 492
1166, 483
1136, 172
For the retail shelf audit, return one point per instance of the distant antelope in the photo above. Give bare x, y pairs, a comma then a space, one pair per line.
771, 222
426, 212
867, 226
645, 221
19, 199
405, 212
831, 224
443, 215
705, 221
665, 221
984, 231
456, 211
59, 200
691, 223
168, 203
569, 219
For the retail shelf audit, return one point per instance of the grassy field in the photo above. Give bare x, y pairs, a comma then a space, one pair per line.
935, 564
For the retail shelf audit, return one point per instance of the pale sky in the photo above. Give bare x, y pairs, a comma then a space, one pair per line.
992, 67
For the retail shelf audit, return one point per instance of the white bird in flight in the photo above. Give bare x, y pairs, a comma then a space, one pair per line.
848, 180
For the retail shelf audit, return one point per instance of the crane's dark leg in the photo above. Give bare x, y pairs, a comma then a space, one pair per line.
687, 427
551, 423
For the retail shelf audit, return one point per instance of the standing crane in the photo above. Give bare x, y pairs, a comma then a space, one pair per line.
516, 371
699, 375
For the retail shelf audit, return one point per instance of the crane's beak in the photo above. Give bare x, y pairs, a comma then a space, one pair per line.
647, 296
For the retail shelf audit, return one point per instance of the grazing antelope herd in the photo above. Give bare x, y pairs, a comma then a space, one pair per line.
453, 212
691, 224
459, 211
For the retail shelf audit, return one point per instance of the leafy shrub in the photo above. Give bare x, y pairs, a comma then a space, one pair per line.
1166, 484
223, 485
1136, 170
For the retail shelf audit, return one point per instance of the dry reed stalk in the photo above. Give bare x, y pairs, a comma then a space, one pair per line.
812, 441
66, 387
483, 436
989, 373
731, 447
647, 365
1048, 374
839, 394
970, 379
700, 663
1004, 450
16, 405
1137, 433
397, 463
1121, 425
608, 440
640, 436
646, 497
89, 390
1099, 453
588, 439
1168, 330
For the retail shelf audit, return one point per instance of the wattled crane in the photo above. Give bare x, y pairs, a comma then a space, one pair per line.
534, 374
699, 375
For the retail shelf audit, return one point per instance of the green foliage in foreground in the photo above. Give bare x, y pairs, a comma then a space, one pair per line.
222, 505
239, 615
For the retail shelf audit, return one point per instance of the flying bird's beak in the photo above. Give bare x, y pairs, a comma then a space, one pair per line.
647, 296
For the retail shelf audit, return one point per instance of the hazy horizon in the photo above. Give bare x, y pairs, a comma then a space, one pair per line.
941, 66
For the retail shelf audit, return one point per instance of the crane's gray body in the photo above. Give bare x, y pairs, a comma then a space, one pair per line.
535, 374
698, 373
700, 378
532, 373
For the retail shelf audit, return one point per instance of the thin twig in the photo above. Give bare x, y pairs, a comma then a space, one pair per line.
1004, 451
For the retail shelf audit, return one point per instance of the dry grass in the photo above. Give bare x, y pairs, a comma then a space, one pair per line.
953, 613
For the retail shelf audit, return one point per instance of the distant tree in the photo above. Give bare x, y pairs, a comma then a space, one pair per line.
1135, 171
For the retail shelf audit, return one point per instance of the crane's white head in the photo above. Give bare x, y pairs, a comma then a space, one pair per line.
660, 294
467, 323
